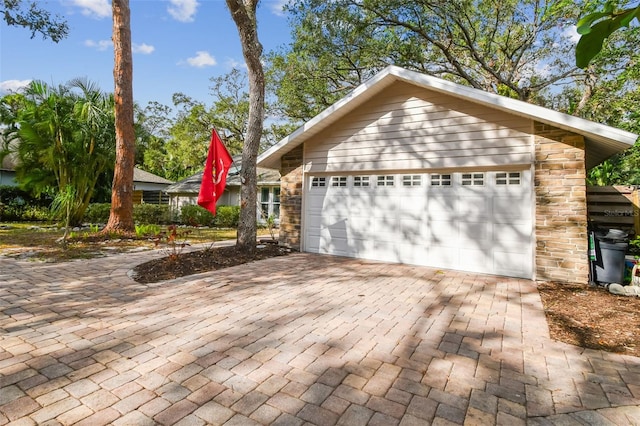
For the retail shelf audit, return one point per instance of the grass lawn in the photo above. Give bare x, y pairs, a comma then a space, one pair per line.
40, 241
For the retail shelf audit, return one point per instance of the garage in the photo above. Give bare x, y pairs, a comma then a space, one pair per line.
479, 221
414, 169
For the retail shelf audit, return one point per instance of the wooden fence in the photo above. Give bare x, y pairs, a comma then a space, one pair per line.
614, 207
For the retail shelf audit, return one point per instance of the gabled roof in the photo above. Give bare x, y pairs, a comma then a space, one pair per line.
601, 141
192, 183
142, 176
8, 162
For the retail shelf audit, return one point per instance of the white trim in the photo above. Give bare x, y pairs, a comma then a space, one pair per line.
303, 213
534, 219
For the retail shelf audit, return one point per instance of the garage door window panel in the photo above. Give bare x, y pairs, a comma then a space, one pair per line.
411, 180
318, 182
361, 181
472, 179
440, 180
387, 180
510, 178
339, 181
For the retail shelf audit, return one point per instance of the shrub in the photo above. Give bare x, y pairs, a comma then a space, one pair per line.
97, 213
194, 215
16, 204
227, 216
149, 230
143, 214
151, 213
35, 213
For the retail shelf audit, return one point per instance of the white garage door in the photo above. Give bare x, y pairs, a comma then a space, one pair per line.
471, 221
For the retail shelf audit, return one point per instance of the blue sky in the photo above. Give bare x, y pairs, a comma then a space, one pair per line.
178, 46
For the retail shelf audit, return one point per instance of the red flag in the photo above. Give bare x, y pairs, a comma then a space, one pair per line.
214, 177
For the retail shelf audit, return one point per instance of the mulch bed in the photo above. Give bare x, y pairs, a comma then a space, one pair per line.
591, 317
182, 264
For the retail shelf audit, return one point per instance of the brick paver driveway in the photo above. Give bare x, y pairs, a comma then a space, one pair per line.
302, 339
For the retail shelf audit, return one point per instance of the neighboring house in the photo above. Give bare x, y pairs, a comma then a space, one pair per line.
149, 188
7, 171
414, 169
185, 192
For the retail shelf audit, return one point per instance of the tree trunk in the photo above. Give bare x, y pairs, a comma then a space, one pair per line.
589, 86
244, 15
121, 214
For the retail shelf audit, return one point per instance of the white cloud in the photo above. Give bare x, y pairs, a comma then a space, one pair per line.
232, 63
277, 7
202, 59
9, 86
96, 8
99, 45
183, 10
571, 33
143, 48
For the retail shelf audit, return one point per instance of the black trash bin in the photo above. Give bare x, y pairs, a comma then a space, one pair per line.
610, 249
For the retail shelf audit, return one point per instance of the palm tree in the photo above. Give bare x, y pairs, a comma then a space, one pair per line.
63, 137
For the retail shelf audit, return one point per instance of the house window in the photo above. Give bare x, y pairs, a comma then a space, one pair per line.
338, 181
269, 203
361, 181
411, 180
440, 180
318, 181
276, 202
511, 178
473, 179
385, 180
264, 202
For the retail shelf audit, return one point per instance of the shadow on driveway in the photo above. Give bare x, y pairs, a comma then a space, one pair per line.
300, 338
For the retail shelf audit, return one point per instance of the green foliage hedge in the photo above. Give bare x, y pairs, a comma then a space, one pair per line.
16, 205
194, 215
146, 214
97, 213
227, 216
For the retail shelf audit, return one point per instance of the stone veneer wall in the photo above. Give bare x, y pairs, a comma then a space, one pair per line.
561, 206
291, 198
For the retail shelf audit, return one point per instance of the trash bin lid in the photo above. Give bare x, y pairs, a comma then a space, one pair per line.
616, 234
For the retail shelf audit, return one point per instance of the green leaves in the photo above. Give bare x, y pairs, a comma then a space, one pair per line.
34, 18
63, 137
485, 44
595, 28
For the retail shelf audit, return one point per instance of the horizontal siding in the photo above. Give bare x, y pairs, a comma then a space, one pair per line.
406, 126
